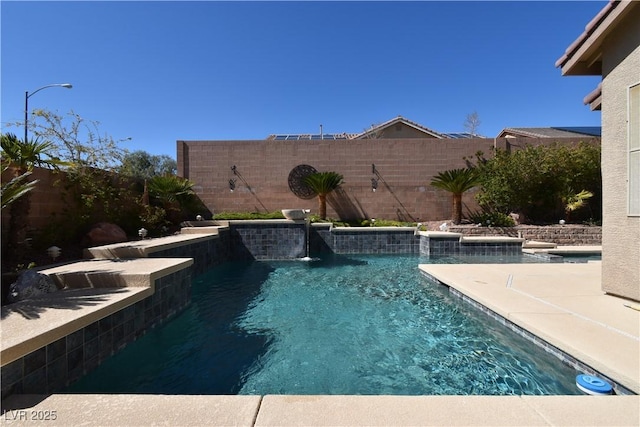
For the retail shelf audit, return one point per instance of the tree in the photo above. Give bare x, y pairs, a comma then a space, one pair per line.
533, 181
573, 201
457, 182
22, 157
472, 123
323, 183
78, 140
91, 191
16, 188
173, 193
140, 164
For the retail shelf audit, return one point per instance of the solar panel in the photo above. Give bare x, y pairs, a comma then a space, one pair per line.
317, 136
586, 130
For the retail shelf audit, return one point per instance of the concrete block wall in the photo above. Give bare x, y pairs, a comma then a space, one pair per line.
46, 198
403, 167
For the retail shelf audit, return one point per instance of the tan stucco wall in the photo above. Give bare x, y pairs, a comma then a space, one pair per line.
620, 233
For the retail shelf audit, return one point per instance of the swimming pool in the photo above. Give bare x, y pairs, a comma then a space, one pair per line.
358, 324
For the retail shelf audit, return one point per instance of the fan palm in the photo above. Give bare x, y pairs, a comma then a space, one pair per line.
574, 201
16, 188
170, 188
323, 183
456, 181
172, 192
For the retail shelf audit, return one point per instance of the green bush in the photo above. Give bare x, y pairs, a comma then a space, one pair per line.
491, 219
534, 180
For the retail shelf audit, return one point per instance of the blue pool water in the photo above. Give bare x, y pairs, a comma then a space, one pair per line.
358, 324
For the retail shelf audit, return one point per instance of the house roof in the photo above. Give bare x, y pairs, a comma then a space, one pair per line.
398, 120
552, 132
584, 55
374, 131
594, 98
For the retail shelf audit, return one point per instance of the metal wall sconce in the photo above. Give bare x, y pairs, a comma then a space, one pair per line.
374, 181
232, 181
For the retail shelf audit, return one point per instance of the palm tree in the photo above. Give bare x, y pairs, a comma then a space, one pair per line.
22, 157
173, 193
16, 188
323, 183
574, 201
456, 181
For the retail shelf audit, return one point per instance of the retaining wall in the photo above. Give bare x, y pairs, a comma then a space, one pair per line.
560, 234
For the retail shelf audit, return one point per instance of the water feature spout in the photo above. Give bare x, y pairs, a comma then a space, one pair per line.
295, 214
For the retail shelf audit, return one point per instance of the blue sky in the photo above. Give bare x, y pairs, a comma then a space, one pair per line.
157, 72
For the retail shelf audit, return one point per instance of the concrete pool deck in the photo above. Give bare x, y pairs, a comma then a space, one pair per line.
561, 303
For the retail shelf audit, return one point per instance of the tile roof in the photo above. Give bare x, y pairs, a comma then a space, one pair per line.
583, 56
553, 132
373, 131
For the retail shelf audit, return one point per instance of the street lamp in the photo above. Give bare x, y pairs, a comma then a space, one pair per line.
27, 95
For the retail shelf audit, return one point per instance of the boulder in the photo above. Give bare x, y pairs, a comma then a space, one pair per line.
30, 284
104, 233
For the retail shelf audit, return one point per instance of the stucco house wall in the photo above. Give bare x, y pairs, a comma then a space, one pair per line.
610, 47
621, 232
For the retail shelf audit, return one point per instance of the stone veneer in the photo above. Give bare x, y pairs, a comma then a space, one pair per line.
569, 234
54, 366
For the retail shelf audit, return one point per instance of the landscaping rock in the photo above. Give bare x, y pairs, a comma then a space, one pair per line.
104, 233
30, 284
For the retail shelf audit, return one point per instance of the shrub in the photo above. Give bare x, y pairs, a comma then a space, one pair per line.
533, 181
491, 219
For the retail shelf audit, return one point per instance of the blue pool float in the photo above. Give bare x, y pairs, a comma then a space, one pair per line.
593, 385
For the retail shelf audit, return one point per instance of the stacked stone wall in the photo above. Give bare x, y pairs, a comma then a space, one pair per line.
559, 234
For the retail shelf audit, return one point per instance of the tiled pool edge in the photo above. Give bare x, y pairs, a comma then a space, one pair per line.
563, 356
57, 364
253, 242
287, 239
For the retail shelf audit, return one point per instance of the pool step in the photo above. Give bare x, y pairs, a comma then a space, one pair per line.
532, 244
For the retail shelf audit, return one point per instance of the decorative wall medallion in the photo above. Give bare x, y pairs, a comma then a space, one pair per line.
296, 181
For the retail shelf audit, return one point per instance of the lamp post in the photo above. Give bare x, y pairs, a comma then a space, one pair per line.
27, 95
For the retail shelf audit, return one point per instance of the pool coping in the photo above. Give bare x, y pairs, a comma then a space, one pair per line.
97, 289
322, 410
296, 410
560, 307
